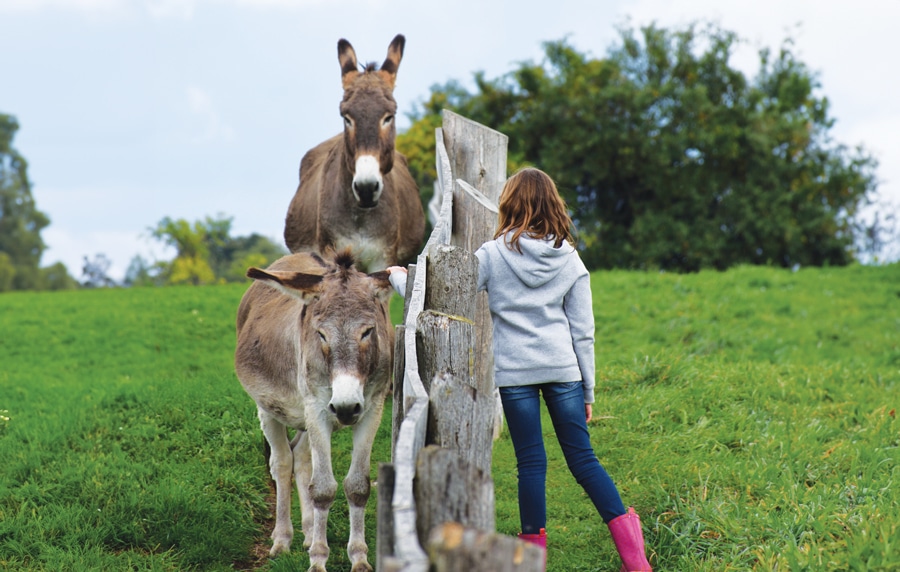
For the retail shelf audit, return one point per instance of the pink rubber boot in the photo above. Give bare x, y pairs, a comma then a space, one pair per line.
540, 539
626, 533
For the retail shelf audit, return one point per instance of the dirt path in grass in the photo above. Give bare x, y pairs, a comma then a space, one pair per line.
259, 554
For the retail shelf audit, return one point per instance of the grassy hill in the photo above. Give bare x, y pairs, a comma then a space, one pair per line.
749, 416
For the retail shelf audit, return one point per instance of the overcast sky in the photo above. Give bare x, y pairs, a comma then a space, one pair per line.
133, 110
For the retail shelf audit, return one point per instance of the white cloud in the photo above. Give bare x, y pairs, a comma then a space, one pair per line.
159, 9
176, 9
78, 5
212, 128
282, 3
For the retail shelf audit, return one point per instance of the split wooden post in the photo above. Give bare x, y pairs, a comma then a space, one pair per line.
455, 548
477, 156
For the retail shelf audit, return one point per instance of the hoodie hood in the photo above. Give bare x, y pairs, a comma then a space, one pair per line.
539, 261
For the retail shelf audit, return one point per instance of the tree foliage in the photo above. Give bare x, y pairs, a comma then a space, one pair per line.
671, 158
206, 253
95, 272
21, 246
417, 143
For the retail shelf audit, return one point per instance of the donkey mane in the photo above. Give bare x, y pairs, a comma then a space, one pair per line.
345, 258
344, 261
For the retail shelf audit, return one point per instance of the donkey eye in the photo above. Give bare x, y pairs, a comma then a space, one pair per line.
367, 333
387, 120
322, 337
347, 121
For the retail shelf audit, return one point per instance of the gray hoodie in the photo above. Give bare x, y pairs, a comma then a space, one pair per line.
540, 302
541, 308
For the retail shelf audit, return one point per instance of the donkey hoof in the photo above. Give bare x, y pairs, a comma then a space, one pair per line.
361, 567
280, 547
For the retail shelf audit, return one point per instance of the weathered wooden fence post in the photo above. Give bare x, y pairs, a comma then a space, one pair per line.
477, 157
453, 479
455, 548
439, 486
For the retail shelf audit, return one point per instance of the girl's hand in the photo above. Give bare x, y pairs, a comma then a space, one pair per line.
588, 412
393, 269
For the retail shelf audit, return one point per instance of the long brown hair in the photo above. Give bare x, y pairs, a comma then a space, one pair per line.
530, 203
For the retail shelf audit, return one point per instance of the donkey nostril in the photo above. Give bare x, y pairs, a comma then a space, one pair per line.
357, 409
365, 192
332, 409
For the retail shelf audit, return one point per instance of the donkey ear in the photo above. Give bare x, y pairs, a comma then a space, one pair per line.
392, 62
382, 283
347, 59
296, 284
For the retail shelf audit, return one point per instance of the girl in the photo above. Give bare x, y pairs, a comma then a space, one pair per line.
539, 295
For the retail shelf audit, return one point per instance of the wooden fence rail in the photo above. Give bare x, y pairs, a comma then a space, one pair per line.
436, 498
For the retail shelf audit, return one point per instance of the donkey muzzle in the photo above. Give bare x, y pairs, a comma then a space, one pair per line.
346, 399
347, 414
367, 182
367, 193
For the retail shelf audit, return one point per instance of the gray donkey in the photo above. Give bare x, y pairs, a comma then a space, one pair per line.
314, 351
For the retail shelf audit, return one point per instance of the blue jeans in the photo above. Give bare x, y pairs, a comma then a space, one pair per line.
565, 402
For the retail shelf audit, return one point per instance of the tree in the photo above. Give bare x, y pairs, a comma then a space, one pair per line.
244, 252
140, 272
55, 277
206, 253
191, 264
7, 272
670, 158
94, 272
20, 221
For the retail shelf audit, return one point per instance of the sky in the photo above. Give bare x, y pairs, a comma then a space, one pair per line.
135, 110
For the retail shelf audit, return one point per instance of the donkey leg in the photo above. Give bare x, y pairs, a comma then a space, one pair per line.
322, 489
357, 487
303, 475
281, 466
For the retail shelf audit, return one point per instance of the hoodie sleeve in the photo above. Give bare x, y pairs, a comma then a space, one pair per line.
580, 313
484, 267
398, 281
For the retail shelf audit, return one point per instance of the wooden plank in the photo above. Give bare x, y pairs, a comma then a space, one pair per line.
442, 163
384, 538
453, 547
445, 344
478, 157
482, 162
450, 289
461, 414
451, 490
443, 227
411, 438
461, 420
481, 218
398, 412
407, 546
477, 154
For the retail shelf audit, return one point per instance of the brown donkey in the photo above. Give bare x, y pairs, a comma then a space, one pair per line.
355, 189
314, 351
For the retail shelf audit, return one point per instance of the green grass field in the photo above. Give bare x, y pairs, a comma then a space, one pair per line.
749, 416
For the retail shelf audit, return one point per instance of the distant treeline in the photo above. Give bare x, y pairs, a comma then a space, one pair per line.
205, 250
670, 158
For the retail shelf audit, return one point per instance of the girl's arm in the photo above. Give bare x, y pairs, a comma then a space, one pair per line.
580, 312
398, 279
